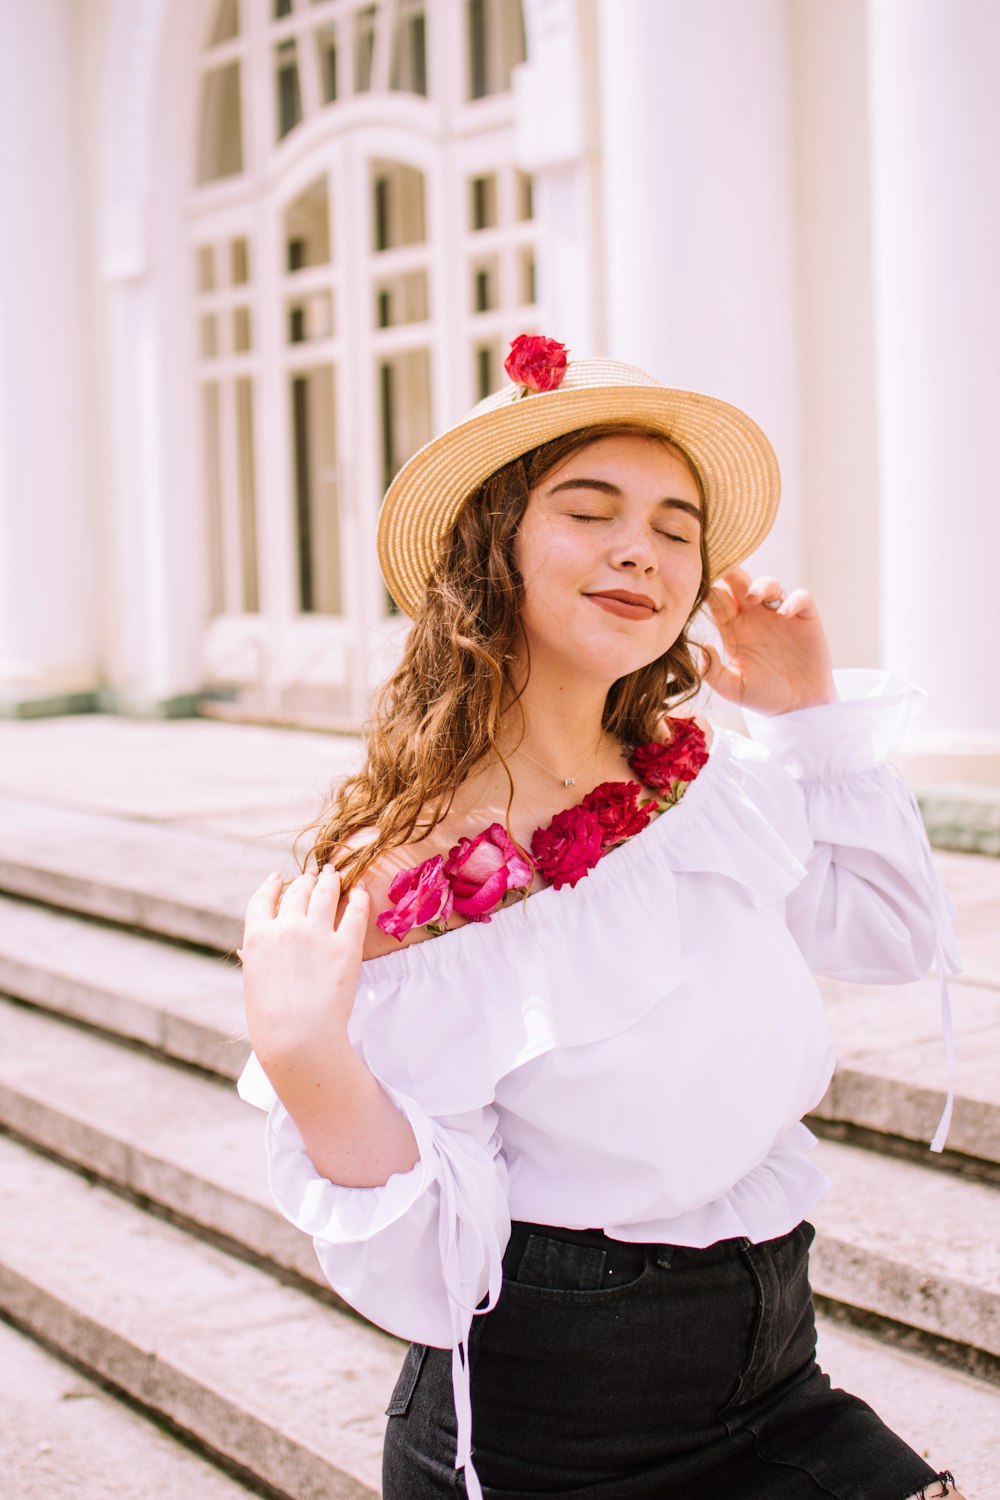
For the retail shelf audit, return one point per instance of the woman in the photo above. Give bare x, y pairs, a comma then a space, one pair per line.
538, 1036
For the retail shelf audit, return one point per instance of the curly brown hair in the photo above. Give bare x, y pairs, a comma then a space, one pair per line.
439, 713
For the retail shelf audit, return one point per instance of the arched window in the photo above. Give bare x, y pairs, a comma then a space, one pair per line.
363, 251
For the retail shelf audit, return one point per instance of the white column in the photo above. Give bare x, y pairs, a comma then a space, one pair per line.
935, 127
698, 214
48, 611
557, 141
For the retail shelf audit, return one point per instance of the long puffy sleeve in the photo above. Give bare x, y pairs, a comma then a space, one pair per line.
418, 1255
871, 907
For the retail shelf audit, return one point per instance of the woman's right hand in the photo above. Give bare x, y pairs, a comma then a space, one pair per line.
301, 967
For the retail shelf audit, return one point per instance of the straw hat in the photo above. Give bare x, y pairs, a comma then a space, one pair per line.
735, 462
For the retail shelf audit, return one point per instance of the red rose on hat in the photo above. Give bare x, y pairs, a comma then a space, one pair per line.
536, 363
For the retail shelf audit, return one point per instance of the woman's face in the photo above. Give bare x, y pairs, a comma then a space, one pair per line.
610, 557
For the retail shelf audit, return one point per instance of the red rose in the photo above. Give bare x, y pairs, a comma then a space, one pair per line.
535, 362
569, 847
679, 760
616, 806
422, 895
482, 870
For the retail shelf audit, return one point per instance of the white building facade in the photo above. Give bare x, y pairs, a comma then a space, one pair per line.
255, 252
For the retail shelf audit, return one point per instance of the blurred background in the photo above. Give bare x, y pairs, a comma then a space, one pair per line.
255, 252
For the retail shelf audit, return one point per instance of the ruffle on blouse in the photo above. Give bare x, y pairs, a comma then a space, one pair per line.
447, 1042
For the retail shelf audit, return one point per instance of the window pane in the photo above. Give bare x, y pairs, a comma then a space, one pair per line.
242, 336
525, 196
397, 205
282, 8
213, 499
409, 51
405, 408
247, 495
204, 268
401, 299
485, 285
307, 228
487, 370
286, 77
314, 433
310, 318
364, 47
227, 23
496, 45
207, 336
239, 262
326, 57
220, 136
527, 275
483, 201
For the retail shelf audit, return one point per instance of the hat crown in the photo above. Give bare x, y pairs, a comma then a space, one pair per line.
581, 375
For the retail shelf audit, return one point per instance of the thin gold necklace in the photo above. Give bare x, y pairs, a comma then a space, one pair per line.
566, 780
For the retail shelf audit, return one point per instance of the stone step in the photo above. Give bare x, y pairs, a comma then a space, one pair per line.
175, 883
915, 1246
186, 1005
63, 1437
163, 1133
284, 1387
193, 886
895, 1240
891, 1073
951, 1418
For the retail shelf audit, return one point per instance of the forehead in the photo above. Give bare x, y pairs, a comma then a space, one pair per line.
632, 456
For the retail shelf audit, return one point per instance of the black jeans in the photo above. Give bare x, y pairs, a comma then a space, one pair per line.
637, 1372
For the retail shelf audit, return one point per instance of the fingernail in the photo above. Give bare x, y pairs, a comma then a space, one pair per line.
328, 870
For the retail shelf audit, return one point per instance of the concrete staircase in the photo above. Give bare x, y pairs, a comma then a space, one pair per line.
138, 1243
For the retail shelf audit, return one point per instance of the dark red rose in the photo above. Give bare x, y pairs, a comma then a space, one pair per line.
679, 760
536, 362
617, 809
569, 847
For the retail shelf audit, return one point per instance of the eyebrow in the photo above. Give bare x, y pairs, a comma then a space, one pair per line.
605, 487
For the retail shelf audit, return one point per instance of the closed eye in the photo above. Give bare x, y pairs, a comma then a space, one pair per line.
670, 535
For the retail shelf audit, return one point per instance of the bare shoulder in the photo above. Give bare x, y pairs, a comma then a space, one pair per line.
377, 880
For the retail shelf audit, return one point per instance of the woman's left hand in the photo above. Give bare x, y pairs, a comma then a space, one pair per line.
776, 660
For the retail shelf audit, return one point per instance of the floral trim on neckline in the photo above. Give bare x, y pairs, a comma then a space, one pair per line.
478, 876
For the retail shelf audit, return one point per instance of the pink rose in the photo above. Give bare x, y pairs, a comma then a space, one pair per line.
569, 847
482, 870
680, 760
617, 809
421, 895
536, 362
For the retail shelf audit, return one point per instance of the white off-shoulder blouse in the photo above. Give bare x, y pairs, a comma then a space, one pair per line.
634, 1053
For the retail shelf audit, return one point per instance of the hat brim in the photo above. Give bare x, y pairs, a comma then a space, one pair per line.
735, 462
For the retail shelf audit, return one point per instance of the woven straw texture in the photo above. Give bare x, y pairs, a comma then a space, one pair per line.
735, 461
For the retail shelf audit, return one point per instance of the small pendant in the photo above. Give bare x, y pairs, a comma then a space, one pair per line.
570, 781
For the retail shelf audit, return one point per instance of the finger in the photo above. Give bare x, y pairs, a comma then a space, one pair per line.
721, 677
264, 902
799, 602
763, 590
295, 901
325, 896
353, 924
737, 580
722, 604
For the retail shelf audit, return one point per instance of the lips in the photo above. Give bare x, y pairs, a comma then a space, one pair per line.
627, 605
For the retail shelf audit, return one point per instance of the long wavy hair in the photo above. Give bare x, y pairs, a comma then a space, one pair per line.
439, 713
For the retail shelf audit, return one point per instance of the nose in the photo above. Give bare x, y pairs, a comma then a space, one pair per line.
632, 548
